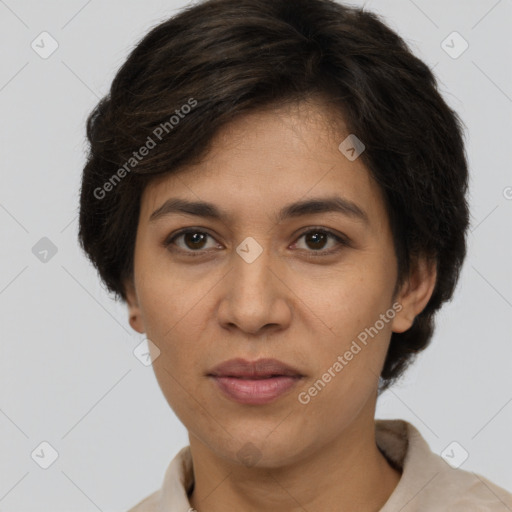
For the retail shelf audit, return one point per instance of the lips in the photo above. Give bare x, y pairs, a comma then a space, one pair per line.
259, 369
254, 382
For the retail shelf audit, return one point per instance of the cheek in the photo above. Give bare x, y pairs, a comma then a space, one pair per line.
168, 298
346, 300
170, 311
349, 352
346, 308
172, 322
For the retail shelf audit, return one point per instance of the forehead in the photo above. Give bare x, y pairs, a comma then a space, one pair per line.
264, 160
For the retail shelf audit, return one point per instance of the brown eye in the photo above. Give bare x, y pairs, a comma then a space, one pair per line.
192, 240
315, 241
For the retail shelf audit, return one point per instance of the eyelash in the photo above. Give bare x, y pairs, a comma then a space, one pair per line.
342, 241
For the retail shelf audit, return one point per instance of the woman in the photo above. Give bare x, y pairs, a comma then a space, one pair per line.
277, 190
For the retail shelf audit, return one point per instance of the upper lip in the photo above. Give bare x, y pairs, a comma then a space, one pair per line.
253, 369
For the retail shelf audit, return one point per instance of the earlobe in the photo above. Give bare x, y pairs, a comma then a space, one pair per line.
136, 323
134, 312
415, 293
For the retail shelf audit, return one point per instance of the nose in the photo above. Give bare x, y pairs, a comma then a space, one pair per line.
255, 298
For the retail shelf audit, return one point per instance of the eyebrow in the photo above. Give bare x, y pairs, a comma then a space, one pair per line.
330, 204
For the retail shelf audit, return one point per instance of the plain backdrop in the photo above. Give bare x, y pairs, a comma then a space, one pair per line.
68, 375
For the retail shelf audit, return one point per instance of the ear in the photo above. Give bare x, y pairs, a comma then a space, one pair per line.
134, 312
415, 293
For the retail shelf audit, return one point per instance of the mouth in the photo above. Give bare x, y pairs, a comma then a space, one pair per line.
255, 383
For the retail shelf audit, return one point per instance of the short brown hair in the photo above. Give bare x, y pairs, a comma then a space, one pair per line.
234, 56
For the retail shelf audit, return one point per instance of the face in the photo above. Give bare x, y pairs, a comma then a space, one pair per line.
309, 285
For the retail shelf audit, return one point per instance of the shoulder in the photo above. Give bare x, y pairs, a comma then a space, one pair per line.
173, 493
468, 489
148, 504
428, 482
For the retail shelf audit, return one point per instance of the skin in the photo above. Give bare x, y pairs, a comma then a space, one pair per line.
201, 311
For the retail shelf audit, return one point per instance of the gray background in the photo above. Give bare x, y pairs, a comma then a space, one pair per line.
68, 374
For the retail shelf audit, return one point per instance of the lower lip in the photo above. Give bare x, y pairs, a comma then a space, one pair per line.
255, 391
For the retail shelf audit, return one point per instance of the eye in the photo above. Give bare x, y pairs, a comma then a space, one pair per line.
317, 238
194, 240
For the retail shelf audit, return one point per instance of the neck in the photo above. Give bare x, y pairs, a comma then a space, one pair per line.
347, 474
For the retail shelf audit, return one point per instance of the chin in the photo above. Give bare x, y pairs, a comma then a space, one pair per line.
259, 449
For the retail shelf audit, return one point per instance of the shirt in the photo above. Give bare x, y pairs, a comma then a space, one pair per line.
427, 483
